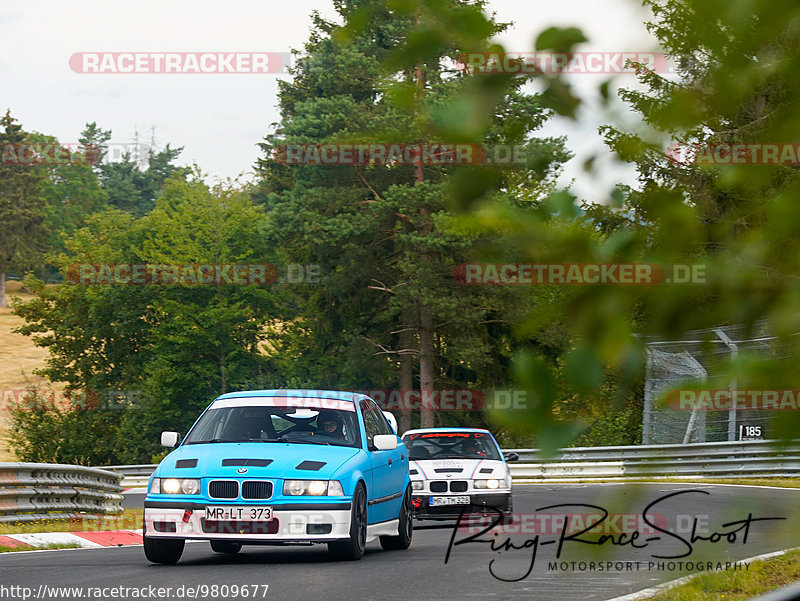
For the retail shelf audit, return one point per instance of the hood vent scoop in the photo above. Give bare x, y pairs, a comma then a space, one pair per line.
186, 463
246, 462
311, 466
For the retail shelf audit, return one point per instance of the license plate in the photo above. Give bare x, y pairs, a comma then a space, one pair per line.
238, 513
436, 501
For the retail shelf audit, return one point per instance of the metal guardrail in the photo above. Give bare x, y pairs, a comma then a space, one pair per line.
35, 491
133, 476
142, 469
752, 459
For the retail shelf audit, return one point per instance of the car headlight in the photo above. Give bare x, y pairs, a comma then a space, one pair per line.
314, 488
491, 483
175, 486
335, 489
417, 485
190, 486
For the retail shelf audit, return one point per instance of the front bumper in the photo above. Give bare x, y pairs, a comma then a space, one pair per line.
296, 522
480, 504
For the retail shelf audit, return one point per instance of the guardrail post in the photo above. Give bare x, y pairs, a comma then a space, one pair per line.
732, 411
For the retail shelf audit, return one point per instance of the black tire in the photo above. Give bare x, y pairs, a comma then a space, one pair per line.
508, 516
405, 528
353, 548
161, 550
221, 546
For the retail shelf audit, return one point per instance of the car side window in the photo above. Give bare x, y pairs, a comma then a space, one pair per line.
418, 449
383, 424
370, 423
280, 424
212, 426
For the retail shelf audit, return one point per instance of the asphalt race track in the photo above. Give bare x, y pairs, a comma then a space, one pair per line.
306, 573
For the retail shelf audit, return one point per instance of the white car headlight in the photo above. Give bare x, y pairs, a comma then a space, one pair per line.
294, 487
417, 485
317, 487
190, 486
314, 488
491, 483
175, 486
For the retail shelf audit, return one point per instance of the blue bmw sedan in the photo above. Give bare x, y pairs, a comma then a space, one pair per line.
281, 467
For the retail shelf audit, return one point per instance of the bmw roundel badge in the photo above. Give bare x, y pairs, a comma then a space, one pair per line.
242, 470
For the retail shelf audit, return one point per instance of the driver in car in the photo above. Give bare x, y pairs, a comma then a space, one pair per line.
330, 424
472, 447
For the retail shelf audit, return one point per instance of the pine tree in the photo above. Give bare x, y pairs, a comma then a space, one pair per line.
22, 206
380, 231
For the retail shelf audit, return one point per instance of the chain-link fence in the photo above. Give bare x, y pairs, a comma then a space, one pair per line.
697, 360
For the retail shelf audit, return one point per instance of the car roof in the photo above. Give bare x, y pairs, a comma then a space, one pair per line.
300, 393
448, 429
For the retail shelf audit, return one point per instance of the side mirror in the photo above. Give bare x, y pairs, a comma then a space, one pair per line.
170, 439
391, 419
384, 442
511, 456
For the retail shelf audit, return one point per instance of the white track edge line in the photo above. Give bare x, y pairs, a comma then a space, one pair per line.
654, 590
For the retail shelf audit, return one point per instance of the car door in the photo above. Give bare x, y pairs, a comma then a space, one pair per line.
379, 466
390, 468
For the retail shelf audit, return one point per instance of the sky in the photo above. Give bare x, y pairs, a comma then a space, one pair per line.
220, 118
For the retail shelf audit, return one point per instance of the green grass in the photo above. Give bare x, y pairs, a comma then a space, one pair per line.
760, 578
130, 519
45, 548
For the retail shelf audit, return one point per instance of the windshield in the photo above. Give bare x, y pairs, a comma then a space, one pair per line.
302, 421
451, 445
